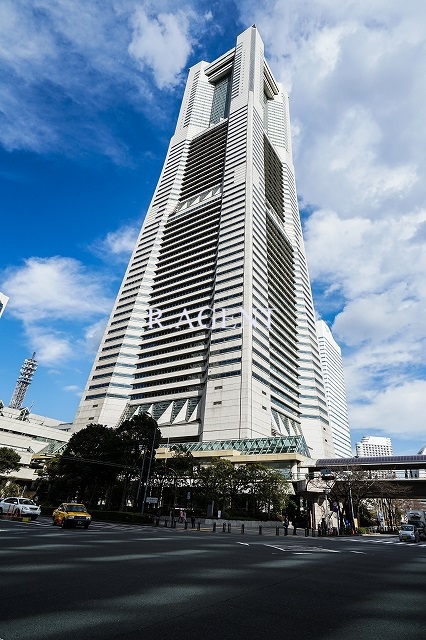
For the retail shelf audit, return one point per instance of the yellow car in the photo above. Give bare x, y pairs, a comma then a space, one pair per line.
71, 514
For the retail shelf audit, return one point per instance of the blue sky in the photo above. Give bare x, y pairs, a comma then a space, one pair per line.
89, 96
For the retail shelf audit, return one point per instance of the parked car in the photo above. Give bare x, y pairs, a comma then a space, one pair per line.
71, 514
409, 533
18, 507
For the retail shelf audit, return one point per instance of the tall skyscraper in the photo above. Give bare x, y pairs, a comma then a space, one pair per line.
3, 302
374, 446
221, 244
334, 382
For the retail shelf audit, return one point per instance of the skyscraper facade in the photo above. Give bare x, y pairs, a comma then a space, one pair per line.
213, 329
3, 302
334, 383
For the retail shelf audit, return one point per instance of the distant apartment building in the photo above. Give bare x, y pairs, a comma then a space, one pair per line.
374, 446
335, 391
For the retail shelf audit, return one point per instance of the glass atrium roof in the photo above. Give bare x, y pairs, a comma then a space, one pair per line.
282, 444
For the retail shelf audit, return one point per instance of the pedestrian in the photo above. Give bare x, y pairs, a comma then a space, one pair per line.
193, 521
285, 525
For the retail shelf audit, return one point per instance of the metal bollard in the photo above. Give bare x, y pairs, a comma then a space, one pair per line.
306, 532
224, 527
260, 529
229, 527
286, 531
198, 526
174, 524
313, 532
166, 523
186, 524
214, 526
294, 531
242, 528
277, 531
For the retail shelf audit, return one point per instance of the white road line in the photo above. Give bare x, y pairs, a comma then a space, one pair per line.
274, 547
246, 544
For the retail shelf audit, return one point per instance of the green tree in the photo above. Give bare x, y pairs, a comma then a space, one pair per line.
91, 462
9, 460
216, 482
140, 438
266, 490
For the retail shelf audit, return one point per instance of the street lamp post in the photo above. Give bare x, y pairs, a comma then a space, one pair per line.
149, 467
327, 491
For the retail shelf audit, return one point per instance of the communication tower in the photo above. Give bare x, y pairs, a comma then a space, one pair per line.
24, 381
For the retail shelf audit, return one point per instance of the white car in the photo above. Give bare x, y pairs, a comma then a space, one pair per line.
18, 507
409, 533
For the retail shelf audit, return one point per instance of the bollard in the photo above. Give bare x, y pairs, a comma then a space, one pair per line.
306, 532
277, 531
157, 521
313, 532
260, 529
286, 531
186, 524
242, 528
229, 527
174, 523
166, 523
198, 525
214, 526
294, 531
224, 527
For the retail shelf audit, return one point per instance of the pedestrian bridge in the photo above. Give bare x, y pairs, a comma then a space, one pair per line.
407, 474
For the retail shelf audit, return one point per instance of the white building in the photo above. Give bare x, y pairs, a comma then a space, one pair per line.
374, 446
33, 437
222, 233
3, 302
335, 391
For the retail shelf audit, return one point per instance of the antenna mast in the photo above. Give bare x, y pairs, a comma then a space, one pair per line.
24, 381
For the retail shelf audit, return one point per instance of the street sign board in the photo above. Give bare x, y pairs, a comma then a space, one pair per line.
151, 500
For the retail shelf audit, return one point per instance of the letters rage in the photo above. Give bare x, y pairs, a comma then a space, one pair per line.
208, 318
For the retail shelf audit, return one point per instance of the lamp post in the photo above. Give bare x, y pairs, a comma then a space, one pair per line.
308, 480
141, 474
327, 491
148, 475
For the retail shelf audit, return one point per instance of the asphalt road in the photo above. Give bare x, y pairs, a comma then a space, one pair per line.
118, 582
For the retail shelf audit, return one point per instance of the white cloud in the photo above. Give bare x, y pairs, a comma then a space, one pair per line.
362, 255
54, 288
74, 389
162, 44
397, 411
117, 244
93, 335
51, 295
85, 55
51, 347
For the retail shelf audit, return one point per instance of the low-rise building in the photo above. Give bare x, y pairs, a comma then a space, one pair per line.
35, 438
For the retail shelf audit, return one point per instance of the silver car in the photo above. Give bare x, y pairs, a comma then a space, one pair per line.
409, 533
19, 507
